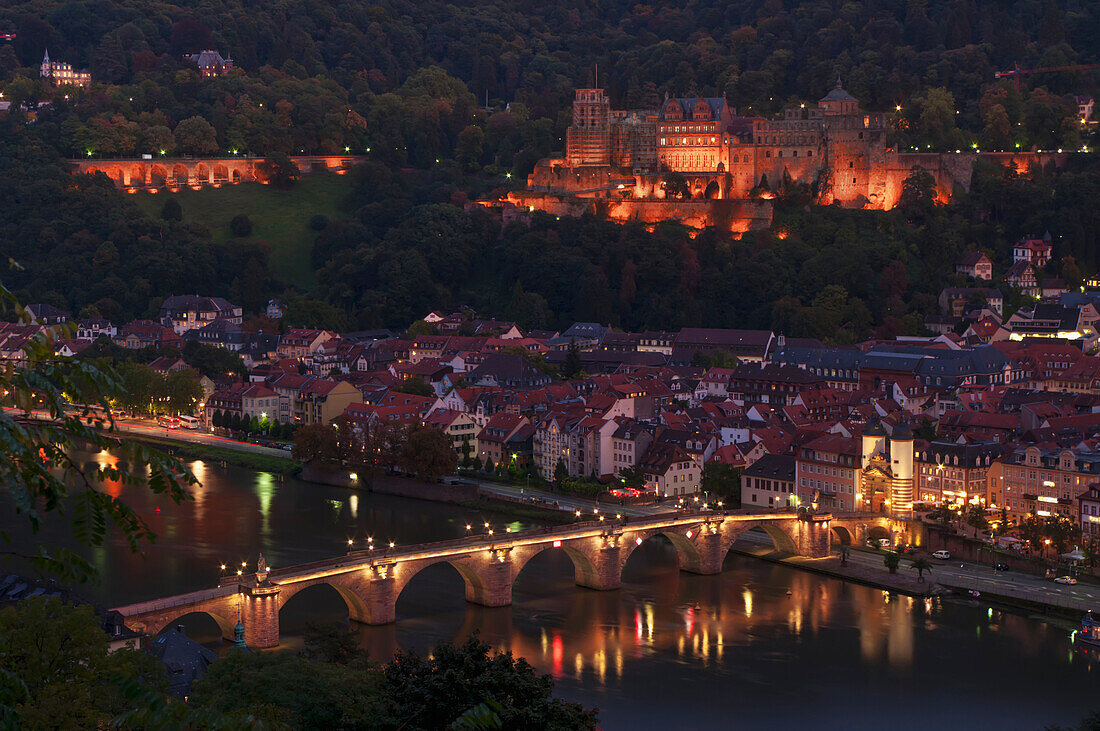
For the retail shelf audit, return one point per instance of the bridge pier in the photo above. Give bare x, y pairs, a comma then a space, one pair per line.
381, 595
260, 614
491, 582
712, 550
602, 568
812, 537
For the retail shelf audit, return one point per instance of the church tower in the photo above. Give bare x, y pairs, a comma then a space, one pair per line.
46, 71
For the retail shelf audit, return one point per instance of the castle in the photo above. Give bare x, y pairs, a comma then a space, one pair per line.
724, 167
62, 73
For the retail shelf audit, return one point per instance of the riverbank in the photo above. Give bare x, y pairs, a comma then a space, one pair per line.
235, 457
511, 510
878, 579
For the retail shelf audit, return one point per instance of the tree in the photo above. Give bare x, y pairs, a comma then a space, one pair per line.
717, 358
936, 124
571, 366
723, 480
422, 327
290, 690
39, 472
158, 140
561, 473
240, 226
891, 560
676, 186
56, 670
171, 210
632, 477
977, 517
279, 170
919, 565
468, 150
943, 514
918, 194
432, 692
196, 136
428, 453
416, 386
315, 442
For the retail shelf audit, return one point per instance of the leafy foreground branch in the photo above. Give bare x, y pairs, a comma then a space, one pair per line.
55, 406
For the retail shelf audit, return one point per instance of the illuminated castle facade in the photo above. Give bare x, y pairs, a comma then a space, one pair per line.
836, 142
696, 161
62, 73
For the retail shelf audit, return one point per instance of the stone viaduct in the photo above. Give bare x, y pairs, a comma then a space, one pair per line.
370, 581
173, 174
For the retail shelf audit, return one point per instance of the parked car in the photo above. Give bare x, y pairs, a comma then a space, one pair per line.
941, 555
1000, 567
1065, 580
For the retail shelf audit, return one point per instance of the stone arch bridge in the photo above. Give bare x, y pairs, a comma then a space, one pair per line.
173, 174
371, 581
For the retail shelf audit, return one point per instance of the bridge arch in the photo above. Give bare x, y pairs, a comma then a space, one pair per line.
221, 174
842, 534
225, 623
235, 176
202, 174
358, 610
688, 556
781, 539
158, 176
115, 173
405, 572
585, 572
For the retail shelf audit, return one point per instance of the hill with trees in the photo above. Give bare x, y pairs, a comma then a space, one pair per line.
453, 101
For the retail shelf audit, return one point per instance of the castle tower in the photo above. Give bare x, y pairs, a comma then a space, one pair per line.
46, 71
588, 139
901, 463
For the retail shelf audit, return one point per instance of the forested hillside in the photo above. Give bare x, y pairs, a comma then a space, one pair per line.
453, 100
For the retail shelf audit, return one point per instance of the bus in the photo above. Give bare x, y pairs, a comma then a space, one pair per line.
168, 422
189, 422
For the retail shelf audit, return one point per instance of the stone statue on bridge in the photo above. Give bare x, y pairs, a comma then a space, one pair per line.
261, 569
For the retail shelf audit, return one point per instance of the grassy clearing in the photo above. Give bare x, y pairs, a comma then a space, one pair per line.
279, 217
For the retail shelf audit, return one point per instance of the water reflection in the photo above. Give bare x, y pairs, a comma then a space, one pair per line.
760, 643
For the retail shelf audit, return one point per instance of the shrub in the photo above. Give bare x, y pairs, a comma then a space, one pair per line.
241, 225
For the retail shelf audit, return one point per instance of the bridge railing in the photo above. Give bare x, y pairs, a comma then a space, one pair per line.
194, 597
359, 557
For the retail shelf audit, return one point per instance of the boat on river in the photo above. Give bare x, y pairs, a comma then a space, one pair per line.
1089, 634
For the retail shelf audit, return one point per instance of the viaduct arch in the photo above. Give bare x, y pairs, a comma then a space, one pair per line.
172, 174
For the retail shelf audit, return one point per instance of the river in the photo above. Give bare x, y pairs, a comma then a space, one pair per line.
760, 644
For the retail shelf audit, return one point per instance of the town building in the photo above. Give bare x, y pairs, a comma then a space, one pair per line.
210, 63
1044, 479
769, 482
59, 73
1032, 250
1088, 506
670, 471
975, 265
954, 473
191, 311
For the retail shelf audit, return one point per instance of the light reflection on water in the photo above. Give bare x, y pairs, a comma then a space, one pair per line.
759, 644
